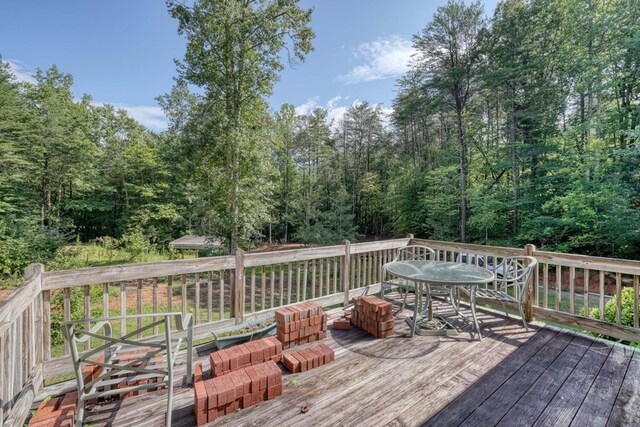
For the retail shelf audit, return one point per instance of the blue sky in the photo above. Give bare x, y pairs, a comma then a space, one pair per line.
122, 51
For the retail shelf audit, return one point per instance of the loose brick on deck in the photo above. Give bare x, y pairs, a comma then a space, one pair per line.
308, 358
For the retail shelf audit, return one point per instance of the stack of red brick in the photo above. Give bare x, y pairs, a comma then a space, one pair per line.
237, 389
56, 412
308, 358
373, 315
301, 324
244, 355
241, 376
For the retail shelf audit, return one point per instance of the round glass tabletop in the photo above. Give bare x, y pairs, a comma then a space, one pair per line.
440, 272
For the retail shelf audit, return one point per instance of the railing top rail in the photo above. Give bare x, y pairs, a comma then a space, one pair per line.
461, 247
613, 265
61, 279
292, 255
21, 298
116, 273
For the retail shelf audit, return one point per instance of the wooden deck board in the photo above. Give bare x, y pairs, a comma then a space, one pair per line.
626, 410
564, 405
537, 397
599, 402
511, 377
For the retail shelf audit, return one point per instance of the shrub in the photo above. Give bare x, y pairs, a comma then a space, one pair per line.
626, 315
136, 244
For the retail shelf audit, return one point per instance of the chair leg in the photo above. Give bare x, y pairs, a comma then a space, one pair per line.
80, 414
404, 301
524, 320
504, 307
169, 402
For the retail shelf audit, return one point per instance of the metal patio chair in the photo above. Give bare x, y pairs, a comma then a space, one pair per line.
406, 253
127, 364
512, 286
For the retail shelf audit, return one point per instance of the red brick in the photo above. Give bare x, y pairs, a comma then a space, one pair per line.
302, 360
291, 363
46, 409
247, 400
212, 393
254, 378
216, 363
220, 392
200, 402
225, 360
262, 375
197, 372
238, 386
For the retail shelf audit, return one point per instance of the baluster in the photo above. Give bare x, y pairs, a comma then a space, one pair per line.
253, 289
273, 279
209, 296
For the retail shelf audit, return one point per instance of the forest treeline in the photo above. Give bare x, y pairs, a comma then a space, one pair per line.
518, 128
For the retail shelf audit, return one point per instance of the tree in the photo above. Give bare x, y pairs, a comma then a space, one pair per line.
449, 56
233, 54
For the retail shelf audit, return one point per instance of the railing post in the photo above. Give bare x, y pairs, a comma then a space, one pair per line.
410, 237
529, 296
346, 265
238, 288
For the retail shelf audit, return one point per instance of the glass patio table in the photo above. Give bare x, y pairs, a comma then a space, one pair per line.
442, 274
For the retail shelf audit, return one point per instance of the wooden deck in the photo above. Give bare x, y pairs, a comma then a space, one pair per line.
512, 377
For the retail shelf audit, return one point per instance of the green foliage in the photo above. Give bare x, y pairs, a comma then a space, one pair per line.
610, 309
136, 244
22, 244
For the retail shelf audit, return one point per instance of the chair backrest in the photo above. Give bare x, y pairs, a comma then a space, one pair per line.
76, 333
516, 272
415, 252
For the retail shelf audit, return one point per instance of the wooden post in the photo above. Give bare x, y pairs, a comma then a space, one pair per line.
346, 264
238, 288
410, 237
529, 250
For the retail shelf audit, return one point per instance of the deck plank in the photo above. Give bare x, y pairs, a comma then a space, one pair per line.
626, 410
597, 405
462, 406
433, 393
501, 401
564, 405
538, 396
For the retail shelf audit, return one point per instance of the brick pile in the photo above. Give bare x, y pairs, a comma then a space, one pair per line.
245, 355
91, 372
56, 412
373, 315
125, 357
308, 358
301, 324
237, 389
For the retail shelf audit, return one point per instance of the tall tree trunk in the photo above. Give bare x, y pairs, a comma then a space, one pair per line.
463, 178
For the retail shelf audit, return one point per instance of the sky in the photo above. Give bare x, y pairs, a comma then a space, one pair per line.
122, 51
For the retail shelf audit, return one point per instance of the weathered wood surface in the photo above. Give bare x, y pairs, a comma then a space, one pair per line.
512, 377
89, 276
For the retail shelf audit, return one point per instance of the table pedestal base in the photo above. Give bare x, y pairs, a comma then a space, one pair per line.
435, 327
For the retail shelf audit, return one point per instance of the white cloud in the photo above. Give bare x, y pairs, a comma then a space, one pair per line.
149, 116
307, 107
336, 110
20, 71
383, 59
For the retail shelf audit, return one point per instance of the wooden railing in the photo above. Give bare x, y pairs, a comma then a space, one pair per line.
31, 347
21, 329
